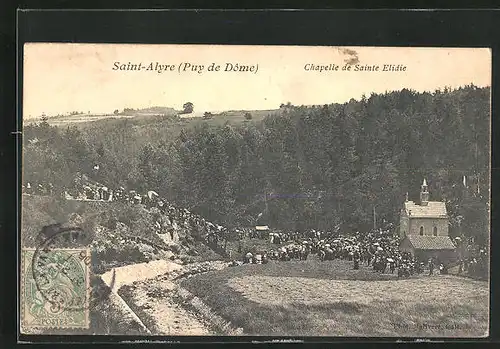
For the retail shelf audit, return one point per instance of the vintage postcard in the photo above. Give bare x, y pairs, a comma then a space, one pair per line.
187, 190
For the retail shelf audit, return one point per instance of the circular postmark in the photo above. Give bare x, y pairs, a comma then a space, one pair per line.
60, 268
57, 236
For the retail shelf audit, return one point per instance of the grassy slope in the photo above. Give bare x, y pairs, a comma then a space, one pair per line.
341, 318
38, 211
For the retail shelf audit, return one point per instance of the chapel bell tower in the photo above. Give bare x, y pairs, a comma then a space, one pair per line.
424, 194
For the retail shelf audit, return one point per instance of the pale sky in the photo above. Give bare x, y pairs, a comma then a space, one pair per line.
64, 77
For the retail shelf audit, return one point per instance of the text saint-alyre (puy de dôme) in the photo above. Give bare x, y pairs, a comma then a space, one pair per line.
185, 67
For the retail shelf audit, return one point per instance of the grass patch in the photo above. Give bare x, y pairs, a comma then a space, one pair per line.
356, 303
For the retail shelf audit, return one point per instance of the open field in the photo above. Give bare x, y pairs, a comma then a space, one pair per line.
311, 298
233, 116
76, 119
236, 116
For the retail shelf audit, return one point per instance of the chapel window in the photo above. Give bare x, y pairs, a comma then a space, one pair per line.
435, 232
421, 230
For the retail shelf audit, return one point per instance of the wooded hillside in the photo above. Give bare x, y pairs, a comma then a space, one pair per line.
315, 167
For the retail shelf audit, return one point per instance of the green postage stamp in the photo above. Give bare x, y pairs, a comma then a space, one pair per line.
55, 288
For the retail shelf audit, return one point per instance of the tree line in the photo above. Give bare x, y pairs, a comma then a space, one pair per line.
303, 167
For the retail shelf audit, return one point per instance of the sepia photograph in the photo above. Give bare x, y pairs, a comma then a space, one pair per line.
230, 190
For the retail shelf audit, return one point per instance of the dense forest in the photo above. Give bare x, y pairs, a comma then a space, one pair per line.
311, 167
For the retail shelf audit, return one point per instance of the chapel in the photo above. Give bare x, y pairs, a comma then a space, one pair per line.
423, 228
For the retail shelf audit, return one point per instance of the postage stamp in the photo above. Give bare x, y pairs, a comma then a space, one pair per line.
55, 288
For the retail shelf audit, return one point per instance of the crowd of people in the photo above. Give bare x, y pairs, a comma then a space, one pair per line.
38, 188
175, 218
474, 259
377, 249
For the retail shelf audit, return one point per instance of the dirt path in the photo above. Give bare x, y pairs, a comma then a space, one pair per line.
129, 274
155, 297
169, 317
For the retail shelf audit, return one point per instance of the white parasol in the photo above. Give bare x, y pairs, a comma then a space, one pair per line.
152, 193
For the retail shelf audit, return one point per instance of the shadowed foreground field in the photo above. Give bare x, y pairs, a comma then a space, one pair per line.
330, 299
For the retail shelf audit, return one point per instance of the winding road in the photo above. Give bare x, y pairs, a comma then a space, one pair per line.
168, 316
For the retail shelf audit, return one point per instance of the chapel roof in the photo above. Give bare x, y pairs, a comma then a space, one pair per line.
433, 209
426, 242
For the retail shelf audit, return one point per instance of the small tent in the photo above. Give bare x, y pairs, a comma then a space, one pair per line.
262, 231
